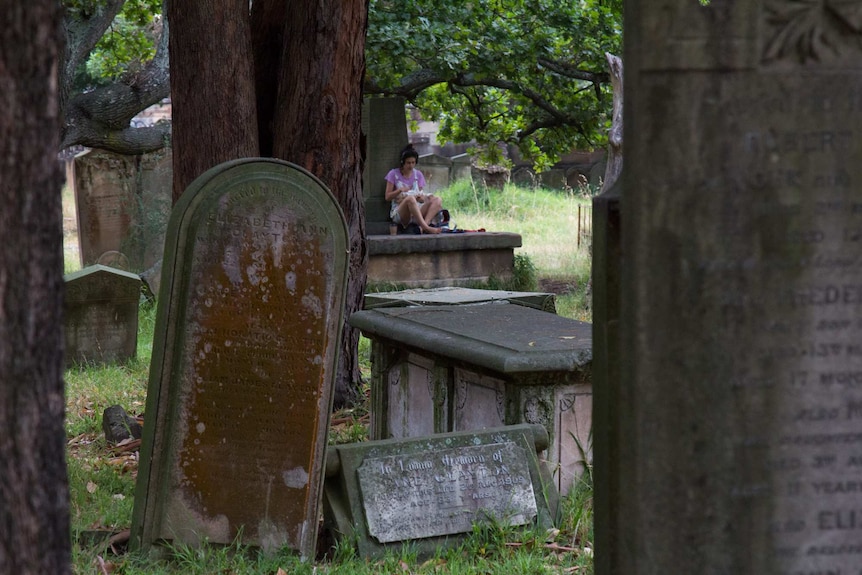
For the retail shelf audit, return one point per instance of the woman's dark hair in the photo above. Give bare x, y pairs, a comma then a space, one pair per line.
409, 152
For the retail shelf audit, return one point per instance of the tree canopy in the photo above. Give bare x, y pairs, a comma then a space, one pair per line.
525, 72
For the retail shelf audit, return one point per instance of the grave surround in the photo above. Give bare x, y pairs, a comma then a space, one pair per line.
243, 362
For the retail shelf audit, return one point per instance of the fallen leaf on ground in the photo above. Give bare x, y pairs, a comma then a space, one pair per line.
91, 487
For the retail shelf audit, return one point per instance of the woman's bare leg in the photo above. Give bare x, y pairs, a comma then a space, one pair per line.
410, 208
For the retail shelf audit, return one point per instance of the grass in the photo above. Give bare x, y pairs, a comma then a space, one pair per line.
548, 221
102, 477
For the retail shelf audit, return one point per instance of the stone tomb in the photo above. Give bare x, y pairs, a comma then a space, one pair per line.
429, 491
438, 369
734, 435
247, 332
101, 315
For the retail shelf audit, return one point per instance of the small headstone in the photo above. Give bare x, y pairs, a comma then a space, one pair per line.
429, 491
101, 315
243, 361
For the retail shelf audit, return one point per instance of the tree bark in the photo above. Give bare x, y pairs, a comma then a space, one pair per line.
317, 126
34, 502
303, 105
212, 86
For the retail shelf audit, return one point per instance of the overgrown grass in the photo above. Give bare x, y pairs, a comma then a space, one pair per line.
547, 221
102, 478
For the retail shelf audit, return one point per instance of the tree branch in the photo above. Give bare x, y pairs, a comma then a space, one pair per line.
83, 31
100, 118
570, 71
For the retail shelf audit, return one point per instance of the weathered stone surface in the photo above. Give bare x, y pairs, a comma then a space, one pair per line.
442, 259
101, 315
437, 171
123, 205
445, 491
737, 409
384, 126
428, 489
243, 361
458, 296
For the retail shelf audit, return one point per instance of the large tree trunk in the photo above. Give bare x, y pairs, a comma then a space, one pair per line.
34, 502
212, 86
299, 98
317, 125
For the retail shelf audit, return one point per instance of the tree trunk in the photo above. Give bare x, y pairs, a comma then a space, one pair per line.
34, 498
305, 81
317, 125
212, 87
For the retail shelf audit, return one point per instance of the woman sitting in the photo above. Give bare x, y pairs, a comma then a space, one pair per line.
404, 188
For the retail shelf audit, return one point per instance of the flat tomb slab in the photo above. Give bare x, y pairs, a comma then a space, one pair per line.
458, 296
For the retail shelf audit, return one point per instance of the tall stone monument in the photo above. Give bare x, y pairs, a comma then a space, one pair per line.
240, 390
384, 126
739, 399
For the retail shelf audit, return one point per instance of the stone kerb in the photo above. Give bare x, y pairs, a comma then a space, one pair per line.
247, 333
428, 492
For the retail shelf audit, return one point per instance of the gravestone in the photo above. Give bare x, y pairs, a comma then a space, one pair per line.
462, 167
737, 442
436, 170
243, 364
101, 315
429, 491
123, 204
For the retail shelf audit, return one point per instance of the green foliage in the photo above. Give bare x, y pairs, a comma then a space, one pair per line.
128, 42
530, 72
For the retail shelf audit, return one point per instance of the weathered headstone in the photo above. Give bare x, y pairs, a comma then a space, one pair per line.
123, 204
462, 167
429, 491
101, 315
737, 408
437, 171
243, 364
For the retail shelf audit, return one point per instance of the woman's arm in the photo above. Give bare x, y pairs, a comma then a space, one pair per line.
392, 192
